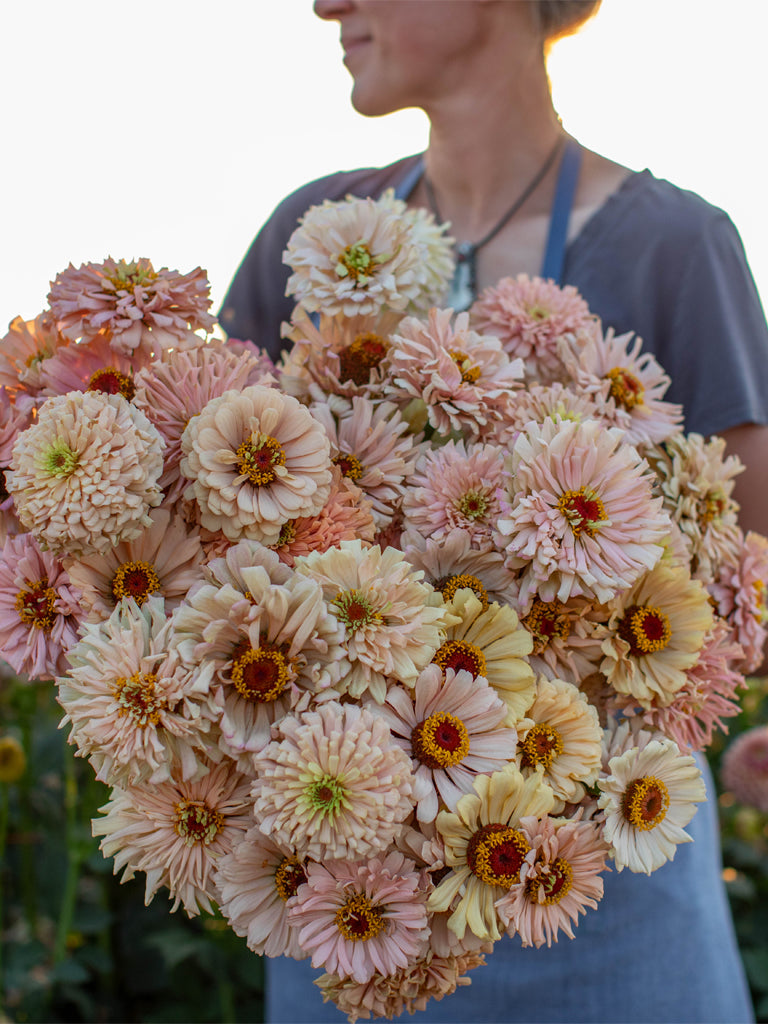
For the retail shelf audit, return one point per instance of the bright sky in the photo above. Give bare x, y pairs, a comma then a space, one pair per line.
173, 134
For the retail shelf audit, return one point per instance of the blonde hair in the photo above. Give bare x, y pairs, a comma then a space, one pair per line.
558, 18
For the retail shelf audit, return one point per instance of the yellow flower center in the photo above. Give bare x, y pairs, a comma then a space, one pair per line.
135, 579
257, 458
289, 876
440, 741
473, 504
469, 373
458, 655
495, 854
128, 276
36, 605
111, 382
555, 880
448, 586
541, 746
196, 822
546, 622
355, 610
351, 467
358, 262
537, 312
287, 534
712, 508
645, 629
626, 390
358, 919
138, 698
645, 803
584, 511
361, 356
260, 674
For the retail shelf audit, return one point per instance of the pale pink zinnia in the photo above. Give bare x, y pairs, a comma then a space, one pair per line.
84, 476
451, 563
91, 365
452, 726
355, 256
166, 559
39, 609
530, 317
256, 880
361, 919
371, 446
392, 620
24, 350
744, 770
582, 519
177, 387
176, 832
132, 304
739, 591
136, 712
455, 487
333, 784
560, 877
627, 386
256, 459
464, 379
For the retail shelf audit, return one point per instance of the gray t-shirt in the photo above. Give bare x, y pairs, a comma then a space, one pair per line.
654, 259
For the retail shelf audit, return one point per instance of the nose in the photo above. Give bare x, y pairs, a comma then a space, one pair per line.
330, 10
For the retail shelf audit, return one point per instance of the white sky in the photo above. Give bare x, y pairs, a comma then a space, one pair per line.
170, 131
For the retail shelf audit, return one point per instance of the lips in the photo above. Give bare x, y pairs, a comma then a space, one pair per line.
351, 44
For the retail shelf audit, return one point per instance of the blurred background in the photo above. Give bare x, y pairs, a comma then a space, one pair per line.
171, 132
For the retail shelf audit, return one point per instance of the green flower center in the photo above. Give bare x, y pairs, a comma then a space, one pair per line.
59, 459
128, 276
355, 610
473, 504
326, 795
358, 262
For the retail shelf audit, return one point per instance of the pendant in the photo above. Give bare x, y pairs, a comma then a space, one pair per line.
462, 292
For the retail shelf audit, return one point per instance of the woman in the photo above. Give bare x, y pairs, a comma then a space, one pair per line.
647, 257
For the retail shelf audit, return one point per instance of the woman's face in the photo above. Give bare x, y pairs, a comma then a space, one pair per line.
410, 53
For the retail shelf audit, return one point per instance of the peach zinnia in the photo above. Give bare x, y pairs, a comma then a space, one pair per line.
256, 459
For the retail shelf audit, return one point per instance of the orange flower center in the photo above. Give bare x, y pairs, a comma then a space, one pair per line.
626, 390
138, 698
289, 876
111, 382
448, 586
258, 457
35, 605
458, 655
546, 622
469, 373
440, 741
196, 822
360, 357
583, 510
135, 579
541, 746
555, 880
645, 629
351, 467
260, 674
645, 803
495, 854
358, 919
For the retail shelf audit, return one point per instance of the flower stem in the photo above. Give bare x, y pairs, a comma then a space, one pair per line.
4, 800
74, 857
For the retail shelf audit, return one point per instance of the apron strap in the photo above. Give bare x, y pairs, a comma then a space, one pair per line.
568, 176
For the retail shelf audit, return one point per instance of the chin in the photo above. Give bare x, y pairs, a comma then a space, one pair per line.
374, 104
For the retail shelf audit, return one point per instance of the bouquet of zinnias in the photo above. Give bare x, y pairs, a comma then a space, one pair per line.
392, 648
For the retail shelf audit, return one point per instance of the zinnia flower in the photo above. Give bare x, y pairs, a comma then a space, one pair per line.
361, 919
391, 619
176, 832
333, 784
559, 879
654, 635
486, 848
84, 476
131, 303
24, 350
39, 609
744, 769
165, 560
91, 365
356, 257
582, 519
530, 317
452, 726
451, 563
256, 459
136, 712
255, 881
649, 794
739, 591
